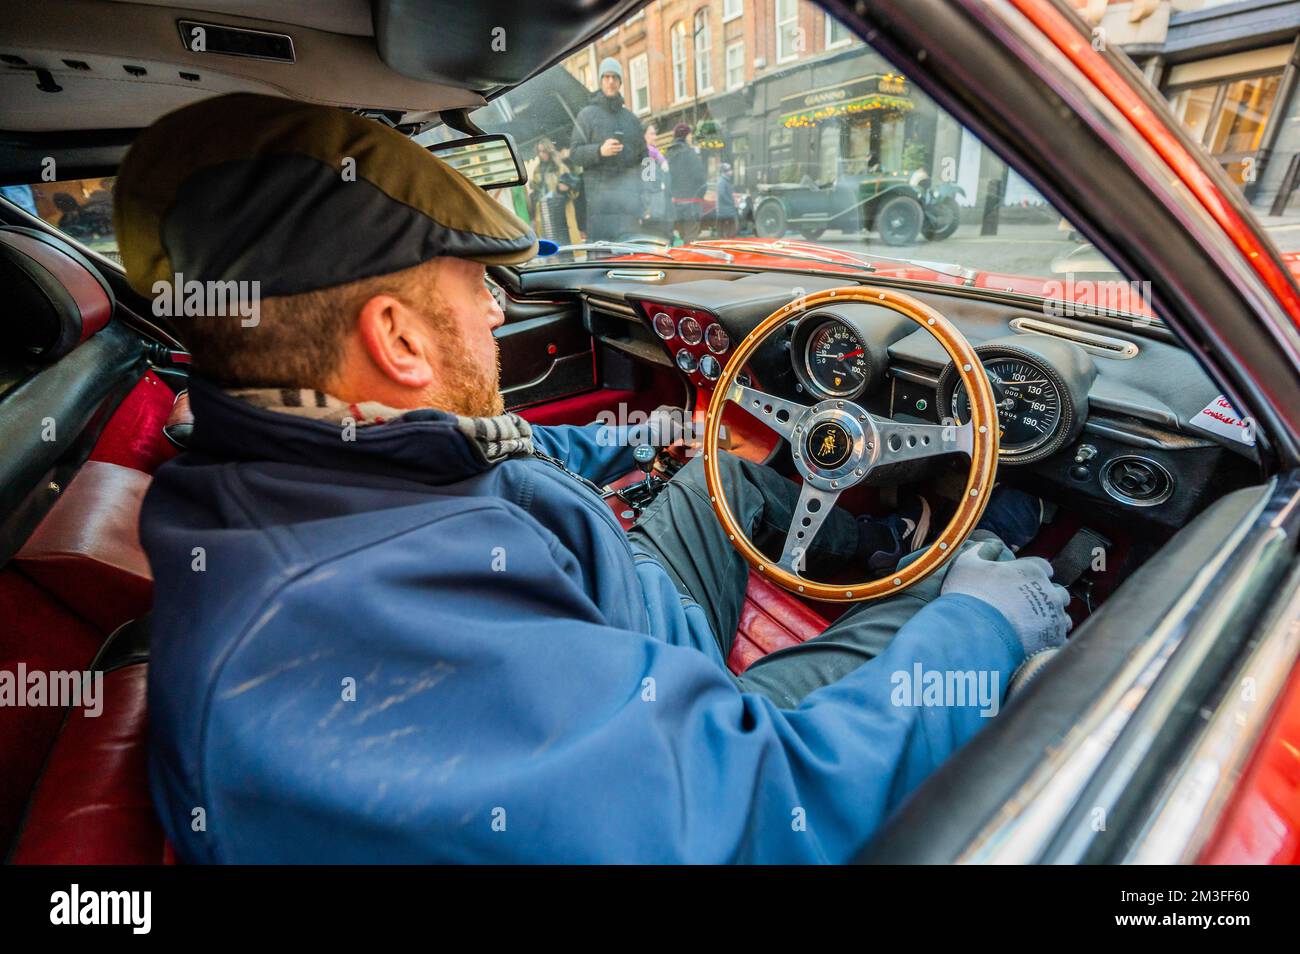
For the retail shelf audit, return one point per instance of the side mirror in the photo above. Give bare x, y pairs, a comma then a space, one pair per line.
490, 162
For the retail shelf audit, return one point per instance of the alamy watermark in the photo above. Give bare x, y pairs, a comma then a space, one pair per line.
1081, 297
179, 298
942, 688
39, 688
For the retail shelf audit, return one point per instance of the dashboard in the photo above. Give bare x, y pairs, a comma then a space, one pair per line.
1094, 410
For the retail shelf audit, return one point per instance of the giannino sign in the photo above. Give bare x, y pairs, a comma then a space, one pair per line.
890, 83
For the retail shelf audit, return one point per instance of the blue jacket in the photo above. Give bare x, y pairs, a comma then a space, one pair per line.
388, 650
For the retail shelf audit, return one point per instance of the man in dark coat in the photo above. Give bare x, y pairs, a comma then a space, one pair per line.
609, 145
687, 183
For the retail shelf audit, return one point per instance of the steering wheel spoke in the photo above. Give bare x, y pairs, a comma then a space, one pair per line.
810, 513
777, 413
902, 442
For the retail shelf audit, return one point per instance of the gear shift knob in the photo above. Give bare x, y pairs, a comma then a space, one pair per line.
644, 455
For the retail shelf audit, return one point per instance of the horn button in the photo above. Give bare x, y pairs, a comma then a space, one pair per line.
834, 445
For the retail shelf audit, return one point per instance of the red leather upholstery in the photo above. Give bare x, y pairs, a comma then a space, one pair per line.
92, 803
134, 435
38, 631
87, 549
771, 618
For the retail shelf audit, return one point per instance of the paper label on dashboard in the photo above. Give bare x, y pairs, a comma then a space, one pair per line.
1221, 418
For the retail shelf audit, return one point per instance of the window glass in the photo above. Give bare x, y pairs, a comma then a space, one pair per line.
640, 81
736, 65
826, 142
80, 208
703, 54
679, 61
789, 38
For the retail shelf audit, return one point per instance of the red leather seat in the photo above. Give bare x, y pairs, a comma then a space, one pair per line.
91, 804
87, 549
771, 619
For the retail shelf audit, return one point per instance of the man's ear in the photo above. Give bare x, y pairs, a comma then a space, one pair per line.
396, 338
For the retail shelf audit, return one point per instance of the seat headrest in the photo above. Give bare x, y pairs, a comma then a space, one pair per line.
56, 298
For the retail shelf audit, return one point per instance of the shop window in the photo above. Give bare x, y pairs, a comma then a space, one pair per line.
1228, 117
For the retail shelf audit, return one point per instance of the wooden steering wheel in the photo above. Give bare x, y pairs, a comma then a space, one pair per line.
836, 444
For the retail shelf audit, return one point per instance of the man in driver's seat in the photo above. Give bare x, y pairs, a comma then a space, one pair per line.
394, 623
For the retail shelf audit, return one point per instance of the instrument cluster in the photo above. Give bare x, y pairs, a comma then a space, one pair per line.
696, 340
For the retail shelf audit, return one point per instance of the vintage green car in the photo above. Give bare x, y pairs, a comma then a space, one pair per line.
900, 208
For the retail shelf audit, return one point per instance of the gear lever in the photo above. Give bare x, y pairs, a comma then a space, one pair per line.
644, 455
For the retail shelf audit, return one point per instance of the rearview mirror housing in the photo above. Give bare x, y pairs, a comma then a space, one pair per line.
490, 162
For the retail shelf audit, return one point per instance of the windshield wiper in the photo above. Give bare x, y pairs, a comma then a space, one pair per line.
967, 275
634, 248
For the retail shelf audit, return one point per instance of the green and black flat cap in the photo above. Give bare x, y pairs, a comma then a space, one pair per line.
297, 196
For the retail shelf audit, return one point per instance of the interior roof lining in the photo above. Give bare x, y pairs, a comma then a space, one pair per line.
331, 68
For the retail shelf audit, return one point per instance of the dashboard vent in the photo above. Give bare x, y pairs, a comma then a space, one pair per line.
1106, 345
1137, 481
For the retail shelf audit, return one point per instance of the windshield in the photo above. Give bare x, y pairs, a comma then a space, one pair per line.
747, 122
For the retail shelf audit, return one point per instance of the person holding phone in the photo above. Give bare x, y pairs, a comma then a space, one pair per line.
607, 143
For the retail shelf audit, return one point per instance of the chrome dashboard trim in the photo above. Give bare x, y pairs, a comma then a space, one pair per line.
635, 275
1107, 345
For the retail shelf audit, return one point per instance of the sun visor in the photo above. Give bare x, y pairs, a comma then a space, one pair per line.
490, 43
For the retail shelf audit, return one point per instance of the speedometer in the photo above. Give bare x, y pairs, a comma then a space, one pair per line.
835, 359
1029, 402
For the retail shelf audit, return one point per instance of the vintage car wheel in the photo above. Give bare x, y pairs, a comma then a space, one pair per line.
836, 444
941, 220
812, 235
769, 219
899, 219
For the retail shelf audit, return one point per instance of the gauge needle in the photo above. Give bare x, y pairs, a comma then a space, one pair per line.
851, 354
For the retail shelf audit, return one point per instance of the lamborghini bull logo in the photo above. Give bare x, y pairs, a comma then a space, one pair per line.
828, 444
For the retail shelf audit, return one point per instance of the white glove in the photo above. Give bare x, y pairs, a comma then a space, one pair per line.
665, 427
1019, 589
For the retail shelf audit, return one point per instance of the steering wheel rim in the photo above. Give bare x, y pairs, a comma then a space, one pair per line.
870, 442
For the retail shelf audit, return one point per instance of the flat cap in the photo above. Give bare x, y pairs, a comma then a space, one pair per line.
297, 196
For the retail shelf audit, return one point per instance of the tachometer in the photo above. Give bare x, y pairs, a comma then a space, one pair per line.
1029, 402
835, 360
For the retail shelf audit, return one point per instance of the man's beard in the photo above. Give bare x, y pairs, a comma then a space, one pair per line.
465, 387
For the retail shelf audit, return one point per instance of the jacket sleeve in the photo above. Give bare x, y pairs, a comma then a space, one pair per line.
582, 150
597, 451
496, 717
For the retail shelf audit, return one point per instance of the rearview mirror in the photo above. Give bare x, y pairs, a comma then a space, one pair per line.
490, 162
